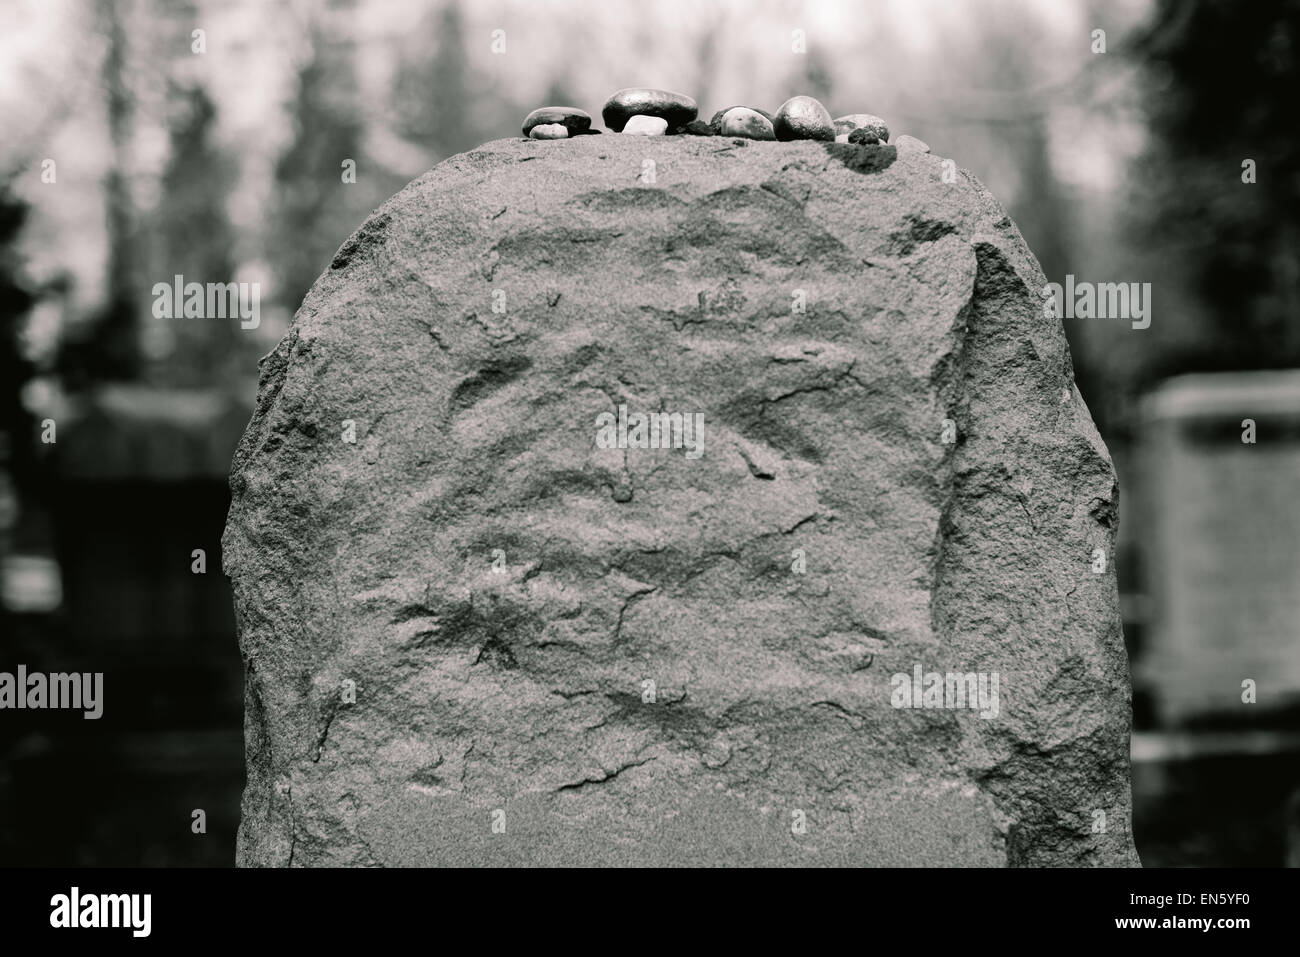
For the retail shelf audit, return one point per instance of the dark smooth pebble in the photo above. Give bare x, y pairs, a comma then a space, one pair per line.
803, 118
570, 117
677, 108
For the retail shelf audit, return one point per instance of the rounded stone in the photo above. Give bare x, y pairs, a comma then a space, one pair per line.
863, 121
716, 122
570, 117
864, 137
841, 137
646, 126
490, 435
549, 131
906, 142
803, 118
677, 109
742, 121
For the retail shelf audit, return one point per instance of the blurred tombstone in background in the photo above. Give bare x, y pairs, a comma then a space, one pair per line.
1224, 565
136, 500
1220, 467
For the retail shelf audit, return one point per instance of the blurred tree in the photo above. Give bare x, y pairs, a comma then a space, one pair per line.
558, 93
16, 300
194, 238
711, 37
317, 210
192, 224
107, 346
818, 78
434, 98
1221, 84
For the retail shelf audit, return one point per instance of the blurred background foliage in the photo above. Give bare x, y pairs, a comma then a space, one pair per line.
226, 164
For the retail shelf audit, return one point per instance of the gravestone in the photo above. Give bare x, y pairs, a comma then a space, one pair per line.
862, 613
1221, 467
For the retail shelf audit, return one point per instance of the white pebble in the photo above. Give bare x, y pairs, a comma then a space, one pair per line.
842, 138
550, 131
646, 126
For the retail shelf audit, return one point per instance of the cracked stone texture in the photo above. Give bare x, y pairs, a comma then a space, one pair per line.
523, 691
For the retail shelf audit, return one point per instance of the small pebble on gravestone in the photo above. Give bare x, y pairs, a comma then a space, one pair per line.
716, 123
570, 117
863, 121
677, 109
803, 118
742, 121
906, 142
549, 131
646, 126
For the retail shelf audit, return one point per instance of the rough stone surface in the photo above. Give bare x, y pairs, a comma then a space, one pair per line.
803, 118
677, 109
864, 137
519, 696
